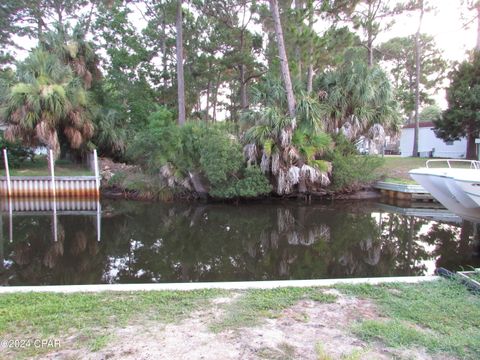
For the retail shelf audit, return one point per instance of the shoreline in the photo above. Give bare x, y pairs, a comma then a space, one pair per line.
228, 285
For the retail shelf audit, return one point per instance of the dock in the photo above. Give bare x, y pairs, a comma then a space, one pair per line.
412, 192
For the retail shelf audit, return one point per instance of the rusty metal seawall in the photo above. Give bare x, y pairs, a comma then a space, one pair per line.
68, 187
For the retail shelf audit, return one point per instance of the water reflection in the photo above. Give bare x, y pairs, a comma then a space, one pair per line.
144, 242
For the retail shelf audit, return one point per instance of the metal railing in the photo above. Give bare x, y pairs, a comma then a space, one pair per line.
461, 164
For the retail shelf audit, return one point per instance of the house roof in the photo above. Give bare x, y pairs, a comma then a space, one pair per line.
422, 124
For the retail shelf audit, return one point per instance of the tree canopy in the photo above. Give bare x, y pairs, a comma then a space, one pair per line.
462, 118
288, 78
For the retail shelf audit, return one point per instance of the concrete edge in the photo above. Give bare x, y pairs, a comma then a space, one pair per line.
240, 285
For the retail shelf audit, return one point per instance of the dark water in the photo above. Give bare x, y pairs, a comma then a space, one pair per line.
155, 242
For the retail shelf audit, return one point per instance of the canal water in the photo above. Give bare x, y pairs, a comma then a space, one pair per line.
133, 242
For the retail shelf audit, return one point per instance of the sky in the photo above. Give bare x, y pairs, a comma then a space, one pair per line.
445, 25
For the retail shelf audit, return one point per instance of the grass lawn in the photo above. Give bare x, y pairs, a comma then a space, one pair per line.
39, 167
440, 318
395, 168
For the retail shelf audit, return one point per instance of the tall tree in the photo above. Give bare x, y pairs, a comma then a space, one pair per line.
283, 59
232, 38
375, 17
131, 80
180, 77
463, 97
398, 54
418, 51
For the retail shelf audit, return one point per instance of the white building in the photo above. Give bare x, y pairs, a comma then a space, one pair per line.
429, 145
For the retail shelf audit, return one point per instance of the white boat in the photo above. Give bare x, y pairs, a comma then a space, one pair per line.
454, 183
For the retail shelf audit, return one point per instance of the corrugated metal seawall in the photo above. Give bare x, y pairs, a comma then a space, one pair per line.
46, 204
67, 187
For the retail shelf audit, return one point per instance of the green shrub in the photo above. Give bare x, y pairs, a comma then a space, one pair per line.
220, 156
208, 149
252, 184
157, 144
350, 172
17, 153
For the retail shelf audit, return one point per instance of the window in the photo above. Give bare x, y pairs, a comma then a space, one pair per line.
448, 142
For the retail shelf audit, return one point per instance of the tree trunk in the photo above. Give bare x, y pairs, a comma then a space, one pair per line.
215, 98
417, 82
180, 78
40, 26
163, 46
298, 52
471, 146
59, 11
370, 50
209, 85
283, 60
310, 49
478, 26
243, 85
369, 29
243, 89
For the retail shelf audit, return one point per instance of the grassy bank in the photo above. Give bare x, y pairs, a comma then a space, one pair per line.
395, 168
439, 318
39, 167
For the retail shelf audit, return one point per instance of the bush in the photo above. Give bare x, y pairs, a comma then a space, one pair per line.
252, 184
220, 157
17, 153
206, 149
159, 143
351, 172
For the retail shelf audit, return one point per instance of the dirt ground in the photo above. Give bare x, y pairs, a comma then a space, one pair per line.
308, 330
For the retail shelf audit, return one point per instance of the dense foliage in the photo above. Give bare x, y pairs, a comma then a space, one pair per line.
352, 171
210, 151
17, 153
281, 87
462, 118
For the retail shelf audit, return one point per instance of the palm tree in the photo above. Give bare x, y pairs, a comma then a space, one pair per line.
71, 47
282, 54
47, 105
291, 157
355, 97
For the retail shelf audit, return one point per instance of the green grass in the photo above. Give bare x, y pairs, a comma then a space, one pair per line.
396, 168
45, 315
441, 316
254, 305
39, 167
323, 355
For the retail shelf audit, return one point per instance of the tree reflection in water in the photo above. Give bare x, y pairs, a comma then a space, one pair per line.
144, 242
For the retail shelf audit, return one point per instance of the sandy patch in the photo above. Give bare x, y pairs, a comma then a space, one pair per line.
297, 333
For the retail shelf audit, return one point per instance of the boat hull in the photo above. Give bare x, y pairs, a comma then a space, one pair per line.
456, 189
